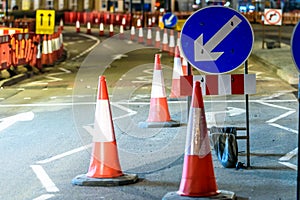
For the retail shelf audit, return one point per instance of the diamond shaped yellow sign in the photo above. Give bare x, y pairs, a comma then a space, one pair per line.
45, 21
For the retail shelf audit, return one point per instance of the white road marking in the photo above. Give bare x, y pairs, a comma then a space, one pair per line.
281, 116
51, 78
68, 153
289, 165
283, 160
284, 128
89, 49
8, 121
44, 178
289, 155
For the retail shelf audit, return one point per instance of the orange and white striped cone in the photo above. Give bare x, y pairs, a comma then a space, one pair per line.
61, 24
157, 38
38, 54
88, 28
77, 26
132, 33
177, 72
44, 56
111, 30
172, 43
51, 56
121, 34
140, 35
149, 37
178, 39
104, 169
198, 178
159, 115
101, 29
184, 67
165, 41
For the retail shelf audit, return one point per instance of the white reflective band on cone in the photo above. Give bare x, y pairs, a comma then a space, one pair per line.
177, 68
197, 143
158, 90
103, 127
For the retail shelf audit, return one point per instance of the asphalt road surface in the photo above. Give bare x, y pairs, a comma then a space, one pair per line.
44, 143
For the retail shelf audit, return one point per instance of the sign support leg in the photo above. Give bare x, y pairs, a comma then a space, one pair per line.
189, 98
247, 121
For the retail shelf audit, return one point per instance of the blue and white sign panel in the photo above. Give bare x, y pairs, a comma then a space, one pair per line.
169, 20
295, 46
216, 39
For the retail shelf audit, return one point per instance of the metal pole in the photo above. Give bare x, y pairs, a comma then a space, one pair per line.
247, 121
130, 9
6, 8
143, 12
189, 98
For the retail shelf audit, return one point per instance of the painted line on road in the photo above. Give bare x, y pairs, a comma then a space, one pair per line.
44, 197
68, 153
89, 49
44, 178
281, 116
283, 128
289, 155
9, 121
289, 165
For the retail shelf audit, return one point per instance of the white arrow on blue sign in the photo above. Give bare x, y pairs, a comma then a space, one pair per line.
295, 46
216, 39
169, 20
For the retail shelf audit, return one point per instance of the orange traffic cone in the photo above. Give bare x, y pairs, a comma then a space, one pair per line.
177, 72
111, 30
140, 35
159, 115
61, 24
172, 43
104, 169
198, 178
165, 40
77, 26
121, 34
88, 28
149, 37
101, 29
157, 38
44, 56
132, 33
50, 51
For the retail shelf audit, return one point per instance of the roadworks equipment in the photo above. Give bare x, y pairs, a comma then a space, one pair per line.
104, 169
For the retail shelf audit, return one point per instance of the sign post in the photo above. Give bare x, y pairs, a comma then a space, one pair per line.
295, 49
218, 40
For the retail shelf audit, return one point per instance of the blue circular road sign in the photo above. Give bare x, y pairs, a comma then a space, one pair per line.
169, 20
216, 39
295, 46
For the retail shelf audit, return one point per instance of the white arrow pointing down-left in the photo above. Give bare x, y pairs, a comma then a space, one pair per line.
204, 52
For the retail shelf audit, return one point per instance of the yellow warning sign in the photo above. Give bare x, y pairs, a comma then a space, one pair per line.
45, 21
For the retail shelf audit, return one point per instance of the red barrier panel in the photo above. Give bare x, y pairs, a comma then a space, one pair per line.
4, 52
19, 48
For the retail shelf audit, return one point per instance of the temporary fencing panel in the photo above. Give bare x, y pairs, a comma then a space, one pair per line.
4, 52
21, 48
